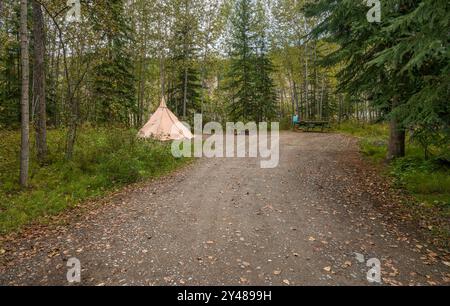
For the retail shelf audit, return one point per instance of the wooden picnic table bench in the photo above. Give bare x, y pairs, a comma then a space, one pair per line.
310, 125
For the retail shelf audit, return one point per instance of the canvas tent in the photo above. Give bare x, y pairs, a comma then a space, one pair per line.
164, 125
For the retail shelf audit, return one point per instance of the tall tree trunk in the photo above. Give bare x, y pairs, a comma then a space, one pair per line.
321, 99
306, 85
58, 95
72, 127
396, 147
203, 88
162, 75
291, 87
2, 21
39, 82
185, 91
314, 99
396, 140
24, 101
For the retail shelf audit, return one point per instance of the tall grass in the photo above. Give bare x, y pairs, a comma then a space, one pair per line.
104, 159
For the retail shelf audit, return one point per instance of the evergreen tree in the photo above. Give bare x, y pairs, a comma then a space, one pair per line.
421, 55
265, 93
345, 24
401, 63
114, 83
252, 89
184, 92
9, 66
241, 73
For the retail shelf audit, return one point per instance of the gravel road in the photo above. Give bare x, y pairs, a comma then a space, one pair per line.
316, 219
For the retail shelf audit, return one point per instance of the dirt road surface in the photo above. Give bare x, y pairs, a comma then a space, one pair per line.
316, 219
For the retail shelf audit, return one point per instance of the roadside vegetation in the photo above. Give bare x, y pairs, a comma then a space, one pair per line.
427, 179
105, 160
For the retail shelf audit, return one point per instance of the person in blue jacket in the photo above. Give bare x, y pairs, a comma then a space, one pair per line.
295, 119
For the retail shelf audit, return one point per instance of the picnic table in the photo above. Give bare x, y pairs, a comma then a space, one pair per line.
311, 125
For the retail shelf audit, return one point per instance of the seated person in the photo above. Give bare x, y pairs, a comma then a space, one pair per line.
295, 119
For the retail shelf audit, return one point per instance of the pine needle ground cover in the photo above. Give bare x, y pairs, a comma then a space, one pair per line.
428, 180
104, 160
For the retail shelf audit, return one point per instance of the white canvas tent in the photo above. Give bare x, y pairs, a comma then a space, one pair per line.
164, 125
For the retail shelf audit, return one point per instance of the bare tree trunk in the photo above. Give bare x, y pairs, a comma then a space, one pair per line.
162, 76
58, 97
72, 127
306, 85
396, 140
321, 99
141, 87
294, 89
396, 147
24, 101
39, 82
316, 107
1, 14
185, 91
292, 95
203, 89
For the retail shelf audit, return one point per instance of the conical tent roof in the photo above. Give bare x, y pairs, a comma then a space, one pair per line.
164, 125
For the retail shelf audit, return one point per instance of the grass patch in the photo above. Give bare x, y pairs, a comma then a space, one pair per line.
427, 180
105, 159
373, 138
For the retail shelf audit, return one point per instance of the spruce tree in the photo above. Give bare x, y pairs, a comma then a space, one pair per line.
253, 96
266, 97
184, 92
114, 83
401, 63
241, 74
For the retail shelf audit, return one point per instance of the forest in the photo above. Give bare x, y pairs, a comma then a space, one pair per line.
78, 78
93, 97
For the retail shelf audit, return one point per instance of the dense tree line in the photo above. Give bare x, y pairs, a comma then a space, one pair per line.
249, 60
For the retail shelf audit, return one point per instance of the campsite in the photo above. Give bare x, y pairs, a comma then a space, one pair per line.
224, 143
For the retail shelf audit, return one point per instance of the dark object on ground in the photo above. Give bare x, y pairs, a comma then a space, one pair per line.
311, 125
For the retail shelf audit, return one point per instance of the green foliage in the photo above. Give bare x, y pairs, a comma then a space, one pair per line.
265, 93
184, 75
105, 159
114, 90
368, 131
113, 81
401, 64
427, 179
252, 89
285, 124
9, 66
